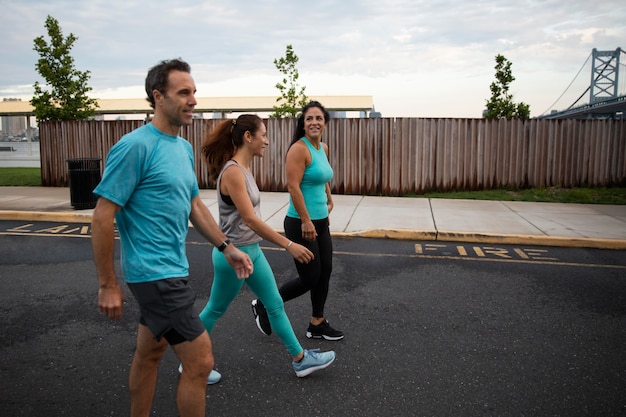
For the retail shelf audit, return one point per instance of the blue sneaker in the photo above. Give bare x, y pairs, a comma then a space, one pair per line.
214, 376
313, 360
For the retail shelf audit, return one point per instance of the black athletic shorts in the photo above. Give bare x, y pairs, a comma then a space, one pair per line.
167, 308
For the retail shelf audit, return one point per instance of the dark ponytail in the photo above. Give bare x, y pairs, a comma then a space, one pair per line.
221, 143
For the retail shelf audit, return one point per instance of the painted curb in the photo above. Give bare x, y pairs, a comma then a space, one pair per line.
397, 234
44, 216
490, 238
534, 240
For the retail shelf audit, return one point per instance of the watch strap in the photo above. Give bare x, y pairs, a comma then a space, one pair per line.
223, 245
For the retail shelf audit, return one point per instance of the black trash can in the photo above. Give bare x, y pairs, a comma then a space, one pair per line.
84, 176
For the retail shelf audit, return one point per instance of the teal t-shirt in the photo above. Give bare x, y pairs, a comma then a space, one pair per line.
313, 184
150, 175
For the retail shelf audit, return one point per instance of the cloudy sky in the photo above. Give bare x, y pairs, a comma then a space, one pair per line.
416, 58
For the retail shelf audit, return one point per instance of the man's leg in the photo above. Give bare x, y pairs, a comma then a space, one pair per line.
143, 371
197, 359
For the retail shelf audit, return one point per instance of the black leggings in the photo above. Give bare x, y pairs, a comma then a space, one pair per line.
315, 275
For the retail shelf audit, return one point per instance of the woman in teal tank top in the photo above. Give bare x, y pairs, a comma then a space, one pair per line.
308, 181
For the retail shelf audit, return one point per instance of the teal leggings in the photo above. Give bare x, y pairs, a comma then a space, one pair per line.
226, 286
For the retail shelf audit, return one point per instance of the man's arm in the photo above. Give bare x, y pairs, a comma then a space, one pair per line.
204, 222
110, 295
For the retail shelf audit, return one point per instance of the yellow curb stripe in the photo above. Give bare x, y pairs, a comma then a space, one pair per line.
539, 240
43, 216
397, 234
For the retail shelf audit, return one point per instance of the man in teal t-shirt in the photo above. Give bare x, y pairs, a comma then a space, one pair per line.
149, 187
152, 225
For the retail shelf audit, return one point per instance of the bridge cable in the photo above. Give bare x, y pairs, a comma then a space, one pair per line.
570, 84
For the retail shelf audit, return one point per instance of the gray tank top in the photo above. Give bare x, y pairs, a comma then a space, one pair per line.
231, 222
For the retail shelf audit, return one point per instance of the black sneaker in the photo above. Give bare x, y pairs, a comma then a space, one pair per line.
260, 316
323, 330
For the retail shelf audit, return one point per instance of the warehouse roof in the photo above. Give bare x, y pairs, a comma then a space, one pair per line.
205, 105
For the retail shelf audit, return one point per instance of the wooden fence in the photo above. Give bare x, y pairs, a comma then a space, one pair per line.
392, 157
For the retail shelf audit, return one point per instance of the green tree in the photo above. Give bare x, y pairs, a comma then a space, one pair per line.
64, 95
291, 100
501, 104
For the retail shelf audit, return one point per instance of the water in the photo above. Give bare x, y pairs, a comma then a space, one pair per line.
20, 155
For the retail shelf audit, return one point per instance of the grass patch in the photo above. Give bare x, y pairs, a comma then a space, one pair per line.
24, 177
600, 195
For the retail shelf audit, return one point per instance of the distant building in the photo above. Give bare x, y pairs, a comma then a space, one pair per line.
13, 125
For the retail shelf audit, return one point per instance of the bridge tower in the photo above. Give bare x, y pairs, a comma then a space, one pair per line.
604, 75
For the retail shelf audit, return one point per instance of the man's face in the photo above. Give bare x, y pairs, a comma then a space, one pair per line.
179, 100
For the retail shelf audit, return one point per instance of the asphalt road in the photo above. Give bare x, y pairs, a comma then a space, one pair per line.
431, 330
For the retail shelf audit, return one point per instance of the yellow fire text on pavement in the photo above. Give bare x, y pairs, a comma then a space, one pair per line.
476, 251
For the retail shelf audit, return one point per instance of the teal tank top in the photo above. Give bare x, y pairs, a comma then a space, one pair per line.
313, 184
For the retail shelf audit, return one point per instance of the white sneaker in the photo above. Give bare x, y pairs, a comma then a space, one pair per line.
214, 376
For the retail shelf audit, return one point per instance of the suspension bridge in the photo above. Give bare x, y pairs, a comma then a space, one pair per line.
602, 80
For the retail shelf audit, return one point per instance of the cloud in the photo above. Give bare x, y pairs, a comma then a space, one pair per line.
415, 57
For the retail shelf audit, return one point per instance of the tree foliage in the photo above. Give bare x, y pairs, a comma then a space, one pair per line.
291, 100
501, 104
64, 95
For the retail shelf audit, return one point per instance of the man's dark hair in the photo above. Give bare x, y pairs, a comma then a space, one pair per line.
157, 76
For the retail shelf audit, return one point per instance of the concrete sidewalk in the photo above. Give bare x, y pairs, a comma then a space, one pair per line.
424, 219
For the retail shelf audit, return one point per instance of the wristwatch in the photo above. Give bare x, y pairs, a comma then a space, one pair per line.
223, 245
